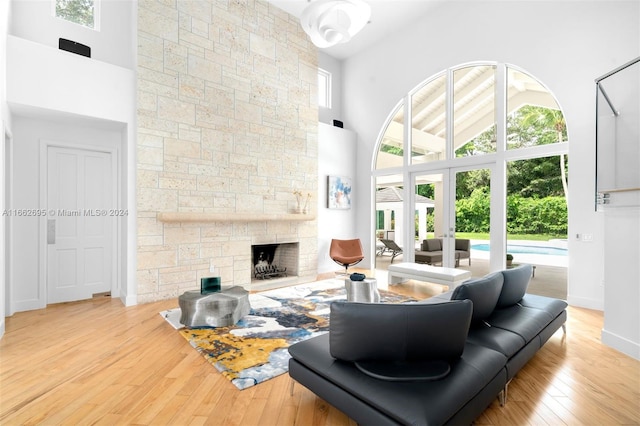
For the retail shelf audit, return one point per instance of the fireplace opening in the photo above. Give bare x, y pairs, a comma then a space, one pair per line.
272, 261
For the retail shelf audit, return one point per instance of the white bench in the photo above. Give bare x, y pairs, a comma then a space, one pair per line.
433, 274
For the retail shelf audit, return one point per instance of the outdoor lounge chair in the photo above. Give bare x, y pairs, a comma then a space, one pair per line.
391, 246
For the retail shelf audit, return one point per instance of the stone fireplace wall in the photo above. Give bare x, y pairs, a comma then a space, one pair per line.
227, 125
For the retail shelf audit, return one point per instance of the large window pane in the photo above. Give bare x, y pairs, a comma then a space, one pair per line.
429, 200
537, 219
533, 115
391, 149
81, 12
474, 110
473, 220
324, 88
389, 207
428, 122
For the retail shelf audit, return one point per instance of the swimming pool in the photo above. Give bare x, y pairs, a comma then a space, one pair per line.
524, 249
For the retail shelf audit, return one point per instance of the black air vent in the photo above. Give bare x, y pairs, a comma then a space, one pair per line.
74, 47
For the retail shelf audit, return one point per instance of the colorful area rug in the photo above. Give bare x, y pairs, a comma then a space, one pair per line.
255, 349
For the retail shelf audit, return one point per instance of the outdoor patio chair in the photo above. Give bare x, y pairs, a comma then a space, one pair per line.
391, 246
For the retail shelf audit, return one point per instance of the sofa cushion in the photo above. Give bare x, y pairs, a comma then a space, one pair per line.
433, 244
516, 281
504, 341
552, 306
419, 402
399, 342
527, 322
398, 332
428, 257
483, 292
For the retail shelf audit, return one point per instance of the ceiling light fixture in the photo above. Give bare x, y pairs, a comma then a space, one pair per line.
329, 22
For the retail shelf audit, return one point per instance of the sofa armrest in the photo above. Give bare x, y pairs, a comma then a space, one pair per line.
463, 244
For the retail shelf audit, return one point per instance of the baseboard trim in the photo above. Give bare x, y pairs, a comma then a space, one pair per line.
28, 305
621, 344
128, 300
587, 303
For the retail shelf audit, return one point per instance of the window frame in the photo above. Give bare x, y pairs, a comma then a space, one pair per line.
326, 95
96, 15
497, 160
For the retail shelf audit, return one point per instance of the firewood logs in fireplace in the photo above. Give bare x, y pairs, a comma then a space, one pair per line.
269, 271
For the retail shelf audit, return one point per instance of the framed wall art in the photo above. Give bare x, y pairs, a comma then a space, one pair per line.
339, 192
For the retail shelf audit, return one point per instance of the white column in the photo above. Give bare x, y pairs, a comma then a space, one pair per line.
422, 223
438, 219
399, 225
387, 222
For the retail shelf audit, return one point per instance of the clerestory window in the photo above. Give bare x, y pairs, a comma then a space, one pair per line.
81, 12
324, 88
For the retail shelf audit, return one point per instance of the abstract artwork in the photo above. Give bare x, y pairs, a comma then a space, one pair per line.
339, 192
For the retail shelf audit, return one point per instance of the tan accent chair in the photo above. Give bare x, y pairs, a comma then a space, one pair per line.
346, 252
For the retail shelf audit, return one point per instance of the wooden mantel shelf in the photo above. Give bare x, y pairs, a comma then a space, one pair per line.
194, 217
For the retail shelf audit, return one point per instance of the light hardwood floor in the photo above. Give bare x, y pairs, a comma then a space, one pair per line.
97, 362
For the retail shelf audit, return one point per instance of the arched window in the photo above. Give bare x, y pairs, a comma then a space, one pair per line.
466, 128
463, 121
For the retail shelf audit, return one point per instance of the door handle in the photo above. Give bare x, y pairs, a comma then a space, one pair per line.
51, 231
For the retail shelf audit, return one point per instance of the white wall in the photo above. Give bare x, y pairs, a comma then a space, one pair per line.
5, 127
621, 328
565, 44
76, 92
334, 66
28, 132
4, 28
69, 83
336, 157
33, 20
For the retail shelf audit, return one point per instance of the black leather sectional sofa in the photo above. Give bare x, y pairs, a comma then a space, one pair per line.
438, 361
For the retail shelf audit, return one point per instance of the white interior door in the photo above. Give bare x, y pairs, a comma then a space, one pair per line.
80, 225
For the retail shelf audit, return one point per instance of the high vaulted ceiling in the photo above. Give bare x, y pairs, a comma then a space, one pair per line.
474, 97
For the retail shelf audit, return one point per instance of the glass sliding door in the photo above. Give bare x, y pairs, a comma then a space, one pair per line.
430, 216
433, 221
452, 215
472, 220
537, 219
389, 215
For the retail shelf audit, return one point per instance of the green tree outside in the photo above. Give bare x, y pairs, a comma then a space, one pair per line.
536, 188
